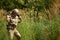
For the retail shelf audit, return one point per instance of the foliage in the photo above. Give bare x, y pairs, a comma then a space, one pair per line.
37, 25
30, 30
10, 4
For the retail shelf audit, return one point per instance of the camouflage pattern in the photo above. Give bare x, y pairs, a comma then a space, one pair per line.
12, 20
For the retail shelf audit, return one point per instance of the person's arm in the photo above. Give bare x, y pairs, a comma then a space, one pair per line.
8, 17
19, 17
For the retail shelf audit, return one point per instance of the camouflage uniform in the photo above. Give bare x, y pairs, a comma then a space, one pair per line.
13, 19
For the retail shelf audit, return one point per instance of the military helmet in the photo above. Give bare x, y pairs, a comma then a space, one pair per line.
15, 10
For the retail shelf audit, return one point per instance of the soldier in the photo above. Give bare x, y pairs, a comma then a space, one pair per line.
12, 20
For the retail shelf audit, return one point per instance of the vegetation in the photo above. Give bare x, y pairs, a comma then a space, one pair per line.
40, 19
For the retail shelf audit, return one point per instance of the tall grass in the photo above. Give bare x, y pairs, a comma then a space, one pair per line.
30, 30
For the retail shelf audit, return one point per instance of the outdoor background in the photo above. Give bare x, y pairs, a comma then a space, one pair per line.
40, 19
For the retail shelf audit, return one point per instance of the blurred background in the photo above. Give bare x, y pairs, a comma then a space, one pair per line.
40, 19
